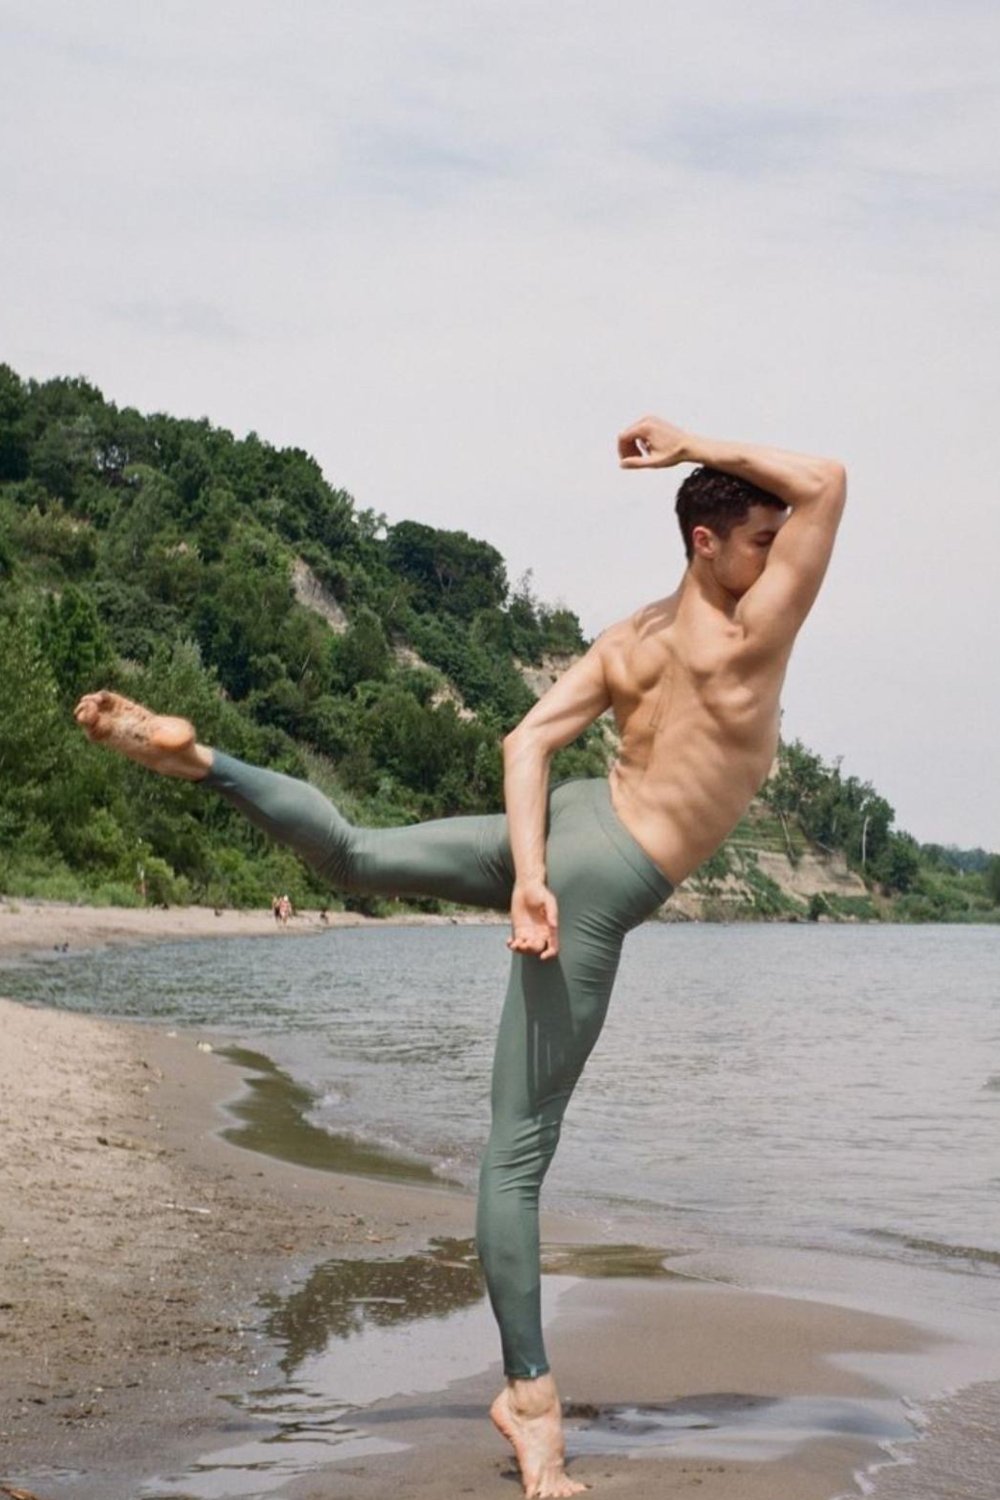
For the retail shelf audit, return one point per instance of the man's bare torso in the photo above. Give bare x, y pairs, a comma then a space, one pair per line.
698, 713
694, 680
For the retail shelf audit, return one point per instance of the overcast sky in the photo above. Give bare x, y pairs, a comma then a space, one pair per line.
451, 248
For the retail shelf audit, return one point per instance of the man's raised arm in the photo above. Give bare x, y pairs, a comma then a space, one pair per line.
576, 700
814, 488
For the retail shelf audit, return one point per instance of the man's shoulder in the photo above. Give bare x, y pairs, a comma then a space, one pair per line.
642, 622
615, 639
637, 643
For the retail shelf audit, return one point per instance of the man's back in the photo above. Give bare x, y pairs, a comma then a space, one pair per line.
697, 713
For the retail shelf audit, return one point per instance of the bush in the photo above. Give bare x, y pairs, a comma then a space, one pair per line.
164, 887
114, 893
717, 866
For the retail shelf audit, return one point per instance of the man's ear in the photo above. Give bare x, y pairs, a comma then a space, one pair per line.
704, 543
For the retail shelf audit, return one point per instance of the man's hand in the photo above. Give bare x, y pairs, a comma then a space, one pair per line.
534, 920
652, 444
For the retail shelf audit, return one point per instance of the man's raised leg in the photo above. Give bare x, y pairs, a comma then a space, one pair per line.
464, 859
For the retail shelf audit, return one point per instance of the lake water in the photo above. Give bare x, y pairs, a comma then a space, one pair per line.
808, 1085
803, 1087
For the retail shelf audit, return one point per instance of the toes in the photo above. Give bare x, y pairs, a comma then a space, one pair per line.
556, 1487
92, 704
88, 716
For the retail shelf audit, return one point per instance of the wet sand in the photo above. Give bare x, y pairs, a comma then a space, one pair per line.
136, 1245
135, 1242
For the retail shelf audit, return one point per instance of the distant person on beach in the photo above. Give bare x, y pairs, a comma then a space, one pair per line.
694, 681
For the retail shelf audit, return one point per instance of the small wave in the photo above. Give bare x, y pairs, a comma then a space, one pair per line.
975, 1255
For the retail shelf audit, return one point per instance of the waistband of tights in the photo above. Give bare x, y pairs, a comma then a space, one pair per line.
598, 793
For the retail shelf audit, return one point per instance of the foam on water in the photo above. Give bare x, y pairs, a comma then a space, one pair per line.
954, 1456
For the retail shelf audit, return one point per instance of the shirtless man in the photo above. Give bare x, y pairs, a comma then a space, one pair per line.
694, 681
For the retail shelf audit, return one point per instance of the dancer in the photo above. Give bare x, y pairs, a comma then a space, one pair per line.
694, 681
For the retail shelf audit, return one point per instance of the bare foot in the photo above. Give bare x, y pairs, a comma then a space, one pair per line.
166, 745
529, 1415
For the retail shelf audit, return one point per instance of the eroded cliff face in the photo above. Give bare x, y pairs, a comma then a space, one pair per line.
541, 677
763, 884
316, 596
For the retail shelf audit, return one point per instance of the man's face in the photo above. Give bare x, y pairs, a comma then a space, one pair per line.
738, 560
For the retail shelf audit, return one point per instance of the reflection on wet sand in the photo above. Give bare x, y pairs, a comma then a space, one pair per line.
608, 1261
341, 1299
730, 1425
274, 1115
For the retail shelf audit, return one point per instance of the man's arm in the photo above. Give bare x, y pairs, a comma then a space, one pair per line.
579, 697
814, 488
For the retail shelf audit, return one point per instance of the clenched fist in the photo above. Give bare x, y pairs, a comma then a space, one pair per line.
652, 444
534, 920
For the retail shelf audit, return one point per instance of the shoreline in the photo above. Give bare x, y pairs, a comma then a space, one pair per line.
142, 1248
136, 1242
28, 926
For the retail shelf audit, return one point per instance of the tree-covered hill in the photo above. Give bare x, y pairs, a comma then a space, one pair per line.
165, 558
226, 580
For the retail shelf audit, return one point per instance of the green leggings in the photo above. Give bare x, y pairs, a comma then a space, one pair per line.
605, 884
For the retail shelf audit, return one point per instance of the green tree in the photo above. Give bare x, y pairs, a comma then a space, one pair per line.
450, 570
56, 544
75, 643
33, 730
362, 653
562, 634
247, 596
219, 517
898, 863
63, 454
191, 472
798, 781
14, 442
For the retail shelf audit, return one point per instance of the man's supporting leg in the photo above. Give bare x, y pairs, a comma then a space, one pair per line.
605, 885
552, 1017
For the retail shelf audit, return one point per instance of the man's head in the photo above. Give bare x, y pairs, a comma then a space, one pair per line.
728, 524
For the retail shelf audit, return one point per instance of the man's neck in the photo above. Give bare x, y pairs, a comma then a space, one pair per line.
699, 587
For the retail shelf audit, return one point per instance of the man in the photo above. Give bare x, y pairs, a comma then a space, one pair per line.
694, 681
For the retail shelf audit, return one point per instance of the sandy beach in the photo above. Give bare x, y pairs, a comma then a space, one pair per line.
137, 1244
27, 925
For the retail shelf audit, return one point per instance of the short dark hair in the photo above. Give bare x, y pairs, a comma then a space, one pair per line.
719, 501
